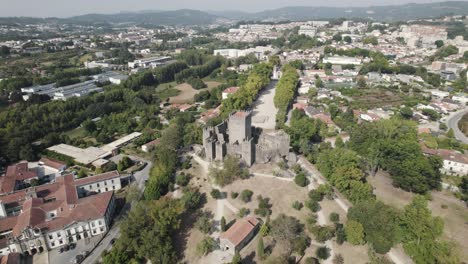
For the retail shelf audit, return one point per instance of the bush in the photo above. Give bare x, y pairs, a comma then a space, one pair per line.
234, 195
263, 206
311, 260
354, 232
243, 212
301, 179
340, 234
206, 246
297, 205
322, 233
314, 206
196, 83
334, 217
204, 223
323, 253
216, 194
182, 179
246, 195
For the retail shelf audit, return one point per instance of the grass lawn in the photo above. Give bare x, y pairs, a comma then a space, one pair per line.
76, 133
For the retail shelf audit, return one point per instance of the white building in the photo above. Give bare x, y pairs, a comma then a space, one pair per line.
309, 31
342, 60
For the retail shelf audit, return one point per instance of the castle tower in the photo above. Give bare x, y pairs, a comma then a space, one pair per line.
240, 126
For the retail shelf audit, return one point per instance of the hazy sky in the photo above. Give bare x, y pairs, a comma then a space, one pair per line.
65, 8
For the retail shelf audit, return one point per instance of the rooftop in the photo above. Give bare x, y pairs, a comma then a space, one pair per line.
240, 230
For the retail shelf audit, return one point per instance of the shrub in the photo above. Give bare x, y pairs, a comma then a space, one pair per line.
182, 179
243, 212
354, 232
203, 223
323, 253
297, 205
301, 179
314, 206
334, 217
246, 195
206, 246
263, 206
216, 194
234, 195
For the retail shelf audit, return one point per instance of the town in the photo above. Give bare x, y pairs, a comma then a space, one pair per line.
321, 140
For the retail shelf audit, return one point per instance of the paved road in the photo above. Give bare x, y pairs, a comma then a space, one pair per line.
114, 232
452, 122
264, 110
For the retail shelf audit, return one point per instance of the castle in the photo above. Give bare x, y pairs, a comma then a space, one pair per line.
234, 137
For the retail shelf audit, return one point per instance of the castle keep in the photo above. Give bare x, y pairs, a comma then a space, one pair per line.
234, 137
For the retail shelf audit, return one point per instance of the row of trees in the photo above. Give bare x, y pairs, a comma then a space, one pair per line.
199, 71
181, 132
285, 91
258, 78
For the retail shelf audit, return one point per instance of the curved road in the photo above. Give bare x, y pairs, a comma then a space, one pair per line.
452, 122
114, 232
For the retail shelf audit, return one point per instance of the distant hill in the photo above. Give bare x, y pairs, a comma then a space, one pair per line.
177, 17
292, 13
385, 13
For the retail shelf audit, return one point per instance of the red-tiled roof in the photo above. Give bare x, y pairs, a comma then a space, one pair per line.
240, 230
231, 90
56, 164
97, 178
68, 207
14, 173
446, 154
12, 258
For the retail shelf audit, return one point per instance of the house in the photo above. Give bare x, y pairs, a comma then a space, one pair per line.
150, 145
325, 118
54, 215
239, 234
310, 111
53, 165
455, 163
229, 91
17, 176
209, 114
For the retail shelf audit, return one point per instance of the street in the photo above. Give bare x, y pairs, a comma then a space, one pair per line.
452, 122
114, 232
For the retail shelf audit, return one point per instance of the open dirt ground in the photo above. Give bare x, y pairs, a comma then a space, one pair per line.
187, 92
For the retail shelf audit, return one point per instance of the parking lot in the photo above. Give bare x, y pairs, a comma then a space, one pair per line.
69, 256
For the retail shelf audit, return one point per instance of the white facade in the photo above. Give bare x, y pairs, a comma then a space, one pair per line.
342, 60
462, 98
455, 167
113, 184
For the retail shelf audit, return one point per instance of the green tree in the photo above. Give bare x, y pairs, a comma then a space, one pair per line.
301, 179
82, 173
261, 248
207, 245
323, 252
439, 43
354, 232
236, 259
223, 224
421, 233
246, 195
347, 39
